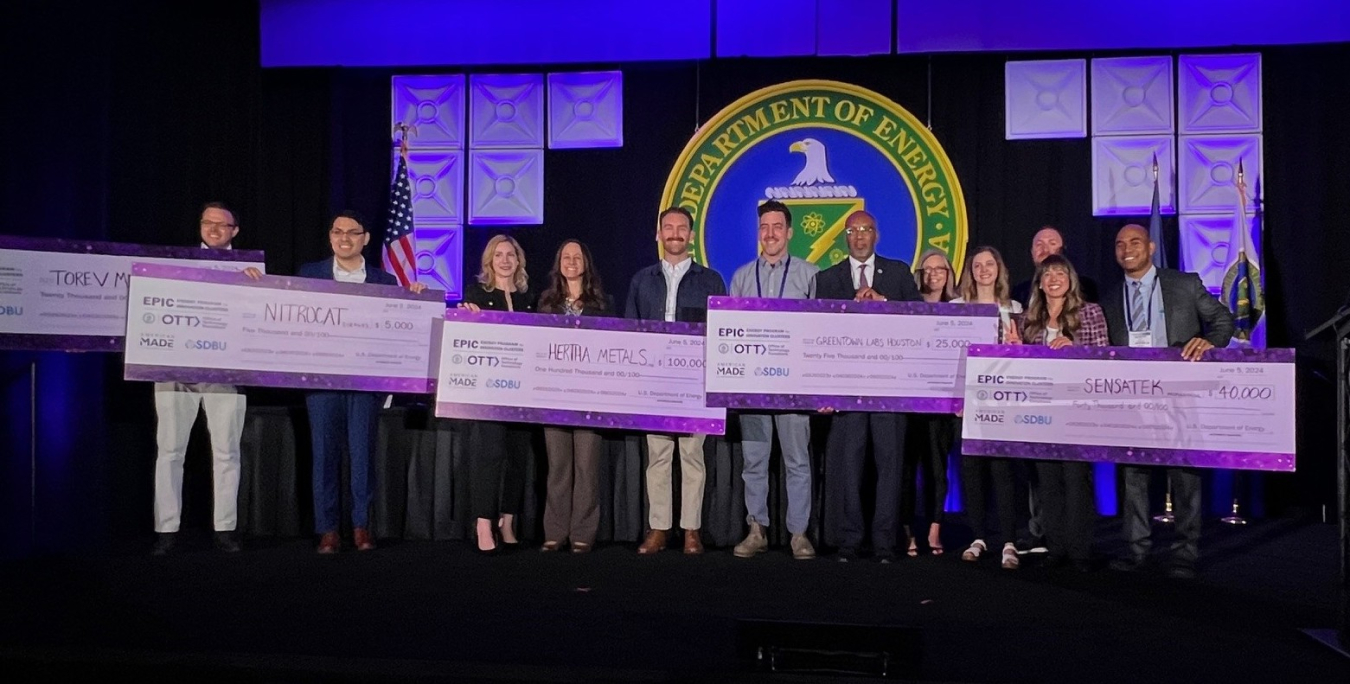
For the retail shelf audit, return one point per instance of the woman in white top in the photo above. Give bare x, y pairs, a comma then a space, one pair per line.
936, 281
985, 281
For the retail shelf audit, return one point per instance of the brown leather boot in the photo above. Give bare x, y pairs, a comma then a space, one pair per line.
693, 543
329, 543
361, 537
655, 541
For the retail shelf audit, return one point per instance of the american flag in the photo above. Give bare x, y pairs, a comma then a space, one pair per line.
399, 256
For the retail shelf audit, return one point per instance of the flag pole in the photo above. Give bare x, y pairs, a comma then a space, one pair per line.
1234, 518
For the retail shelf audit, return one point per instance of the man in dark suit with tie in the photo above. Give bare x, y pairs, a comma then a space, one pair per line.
1161, 307
343, 418
865, 276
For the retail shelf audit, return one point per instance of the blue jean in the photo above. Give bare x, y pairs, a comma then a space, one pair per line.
794, 436
337, 420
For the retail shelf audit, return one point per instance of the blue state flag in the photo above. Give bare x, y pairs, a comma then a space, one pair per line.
1155, 231
1242, 290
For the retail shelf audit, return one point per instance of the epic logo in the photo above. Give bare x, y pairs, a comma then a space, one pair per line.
480, 360
731, 332
989, 379
158, 301
465, 344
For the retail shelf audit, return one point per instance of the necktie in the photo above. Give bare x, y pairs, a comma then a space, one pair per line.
862, 277
1138, 308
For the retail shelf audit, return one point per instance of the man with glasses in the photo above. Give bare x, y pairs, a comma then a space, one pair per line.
177, 405
344, 419
865, 276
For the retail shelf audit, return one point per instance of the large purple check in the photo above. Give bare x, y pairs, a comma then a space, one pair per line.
70, 295
849, 356
579, 371
1232, 409
196, 325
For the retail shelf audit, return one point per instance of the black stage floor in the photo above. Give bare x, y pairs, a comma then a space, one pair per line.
438, 612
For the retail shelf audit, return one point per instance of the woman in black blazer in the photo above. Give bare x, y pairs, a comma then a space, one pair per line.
572, 506
497, 450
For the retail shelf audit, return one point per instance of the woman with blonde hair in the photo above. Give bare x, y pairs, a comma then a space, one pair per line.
985, 281
497, 450
1059, 317
936, 281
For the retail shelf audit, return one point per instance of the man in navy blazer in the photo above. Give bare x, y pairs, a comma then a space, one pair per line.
344, 418
674, 289
865, 276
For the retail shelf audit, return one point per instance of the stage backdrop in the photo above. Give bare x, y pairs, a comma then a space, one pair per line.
137, 115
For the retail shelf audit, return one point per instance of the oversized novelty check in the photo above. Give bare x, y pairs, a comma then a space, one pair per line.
849, 356
1232, 409
72, 295
197, 325
582, 371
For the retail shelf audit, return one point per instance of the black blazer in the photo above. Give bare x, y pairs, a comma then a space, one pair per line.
893, 280
521, 301
1191, 311
323, 270
647, 294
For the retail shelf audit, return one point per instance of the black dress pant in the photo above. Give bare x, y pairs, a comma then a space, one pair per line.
939, 432
1138, 525
844, 473
1068, 511
975, 470
497, 454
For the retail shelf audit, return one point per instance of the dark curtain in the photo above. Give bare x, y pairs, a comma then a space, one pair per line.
125, 117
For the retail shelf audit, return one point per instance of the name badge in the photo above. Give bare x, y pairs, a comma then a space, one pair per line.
1142, 338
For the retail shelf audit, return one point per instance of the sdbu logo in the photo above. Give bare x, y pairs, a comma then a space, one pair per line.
504, 384
205, 345
11, 310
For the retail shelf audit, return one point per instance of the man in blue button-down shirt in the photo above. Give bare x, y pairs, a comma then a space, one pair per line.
776, 274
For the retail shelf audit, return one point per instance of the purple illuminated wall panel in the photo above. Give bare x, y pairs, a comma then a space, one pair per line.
1220, 93
437, 177
585, 110
1122, 174
360, 33
1132, 96
1208, 166
998, 25
506, 110
853, 28
506, 187
1204, 246
1045, 99
434, 104
440, 257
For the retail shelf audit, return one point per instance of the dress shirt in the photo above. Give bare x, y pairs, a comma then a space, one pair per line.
342, 275
1152, 289
800, 280
871, 262
674, 273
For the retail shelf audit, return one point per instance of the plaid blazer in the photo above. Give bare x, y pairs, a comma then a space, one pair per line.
1091, 329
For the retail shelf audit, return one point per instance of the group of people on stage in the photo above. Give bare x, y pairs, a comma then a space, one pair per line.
1149, 307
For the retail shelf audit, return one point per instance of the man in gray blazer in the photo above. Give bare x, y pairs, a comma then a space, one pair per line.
1161, 307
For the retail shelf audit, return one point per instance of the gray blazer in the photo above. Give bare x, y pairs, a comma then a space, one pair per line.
1191, 311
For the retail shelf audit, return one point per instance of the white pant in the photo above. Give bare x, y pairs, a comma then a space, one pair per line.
660, 457
177, 411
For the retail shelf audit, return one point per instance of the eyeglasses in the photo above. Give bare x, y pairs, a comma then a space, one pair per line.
216, 224
929, 271
345, 233
861, 230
